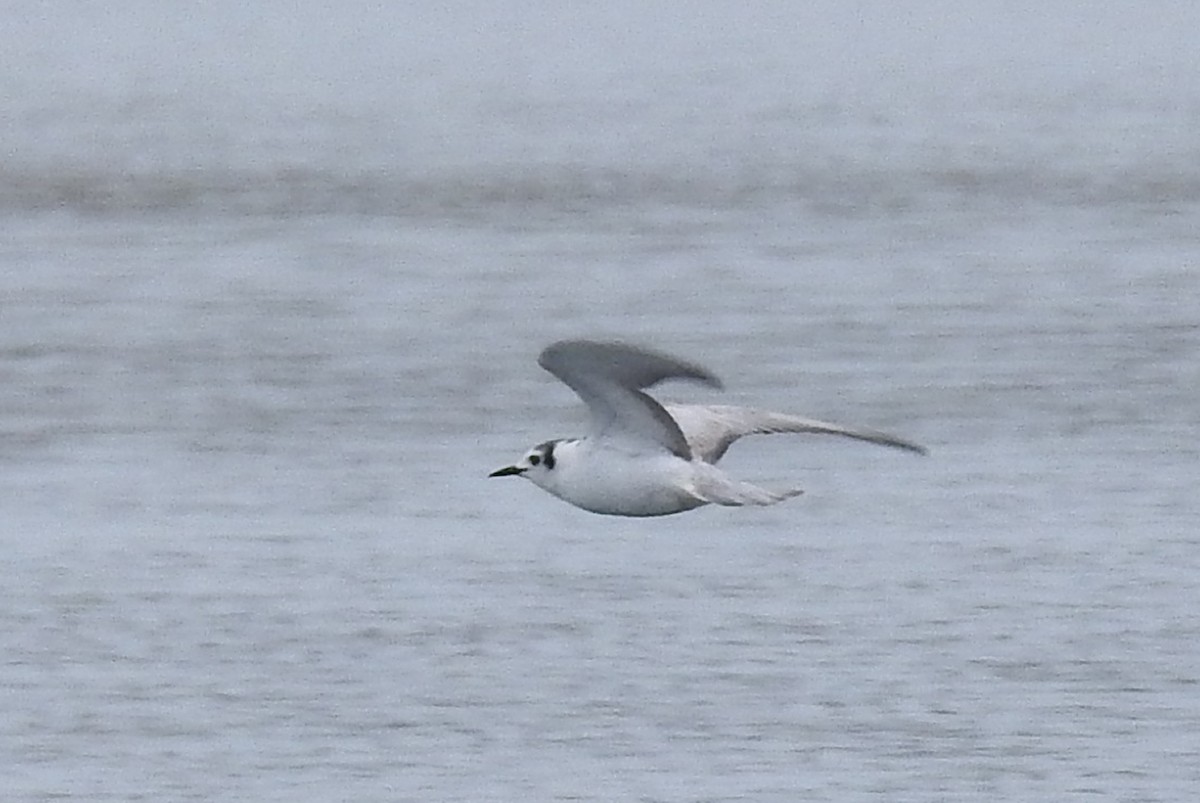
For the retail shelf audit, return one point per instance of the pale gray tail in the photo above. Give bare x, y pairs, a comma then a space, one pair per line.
711, 485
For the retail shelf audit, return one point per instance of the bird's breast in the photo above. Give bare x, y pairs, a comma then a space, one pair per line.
617, 483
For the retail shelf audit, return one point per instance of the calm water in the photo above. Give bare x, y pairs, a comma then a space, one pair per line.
272, 291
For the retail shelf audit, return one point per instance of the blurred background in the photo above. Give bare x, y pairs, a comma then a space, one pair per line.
273, 280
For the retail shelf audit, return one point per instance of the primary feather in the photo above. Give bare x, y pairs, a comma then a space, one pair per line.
711, 429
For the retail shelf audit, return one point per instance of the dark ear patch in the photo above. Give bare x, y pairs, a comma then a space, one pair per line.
547, 450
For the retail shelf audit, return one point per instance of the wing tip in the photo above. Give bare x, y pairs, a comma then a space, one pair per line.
908, 446
554, 357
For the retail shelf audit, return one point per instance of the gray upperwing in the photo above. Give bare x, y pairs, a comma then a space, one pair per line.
609, 378
711, 429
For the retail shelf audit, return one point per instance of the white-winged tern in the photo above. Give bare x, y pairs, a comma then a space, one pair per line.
641, 458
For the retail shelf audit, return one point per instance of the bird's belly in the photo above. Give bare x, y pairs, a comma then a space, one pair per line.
655, 487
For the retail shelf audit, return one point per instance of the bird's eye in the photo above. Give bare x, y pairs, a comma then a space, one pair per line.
534, 459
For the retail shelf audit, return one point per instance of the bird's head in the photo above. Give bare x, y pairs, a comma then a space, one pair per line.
536, 465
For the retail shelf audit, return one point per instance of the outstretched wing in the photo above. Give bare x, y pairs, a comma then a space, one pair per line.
710, 429
609, 377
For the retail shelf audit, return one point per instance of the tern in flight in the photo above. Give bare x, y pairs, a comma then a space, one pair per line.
643, 458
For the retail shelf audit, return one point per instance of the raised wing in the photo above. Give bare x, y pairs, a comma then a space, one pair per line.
710, 429
609, 377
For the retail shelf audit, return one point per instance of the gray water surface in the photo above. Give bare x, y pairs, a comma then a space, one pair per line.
273, 285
